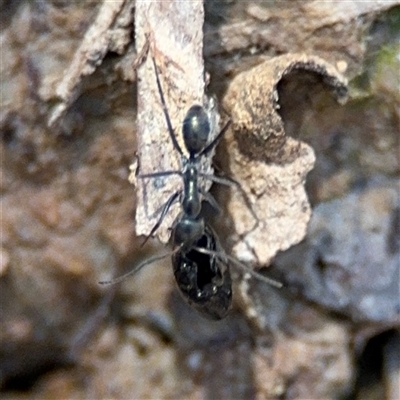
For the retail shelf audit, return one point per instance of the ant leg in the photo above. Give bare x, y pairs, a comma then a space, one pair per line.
210, 200
214, 142
164, 211
165, 110
159, 174
167, 205
223, 180
136, 269
221, 255
142, 55
227, 181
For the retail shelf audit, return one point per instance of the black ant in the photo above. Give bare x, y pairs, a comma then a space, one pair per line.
201, 267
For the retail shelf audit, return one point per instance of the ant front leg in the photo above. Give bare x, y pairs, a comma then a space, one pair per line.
159, 174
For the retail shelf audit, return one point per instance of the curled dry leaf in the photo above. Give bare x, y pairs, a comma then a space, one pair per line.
351, 239
270, 167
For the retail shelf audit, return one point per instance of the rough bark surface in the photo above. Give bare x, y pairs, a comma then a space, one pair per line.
69, 83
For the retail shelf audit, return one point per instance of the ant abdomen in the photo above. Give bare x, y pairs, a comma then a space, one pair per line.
203, 279
196, 129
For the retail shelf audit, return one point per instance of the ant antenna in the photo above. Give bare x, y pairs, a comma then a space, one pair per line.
165, 110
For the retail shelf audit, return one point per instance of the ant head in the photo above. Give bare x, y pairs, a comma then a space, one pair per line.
196, 129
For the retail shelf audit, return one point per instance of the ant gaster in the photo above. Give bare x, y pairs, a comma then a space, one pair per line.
200, 266
202, 278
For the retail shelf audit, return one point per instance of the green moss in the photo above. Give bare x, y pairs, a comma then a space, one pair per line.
382, 59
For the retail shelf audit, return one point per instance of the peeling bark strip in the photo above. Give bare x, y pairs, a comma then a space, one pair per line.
111, 31
175, 29
270, 166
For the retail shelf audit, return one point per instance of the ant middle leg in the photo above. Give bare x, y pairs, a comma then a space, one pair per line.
223, 257
166, 205
165, 208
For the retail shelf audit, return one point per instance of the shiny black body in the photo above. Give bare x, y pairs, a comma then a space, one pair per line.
204, 280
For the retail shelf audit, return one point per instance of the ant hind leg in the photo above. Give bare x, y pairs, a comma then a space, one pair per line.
138, 267
227, 181
164, 211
